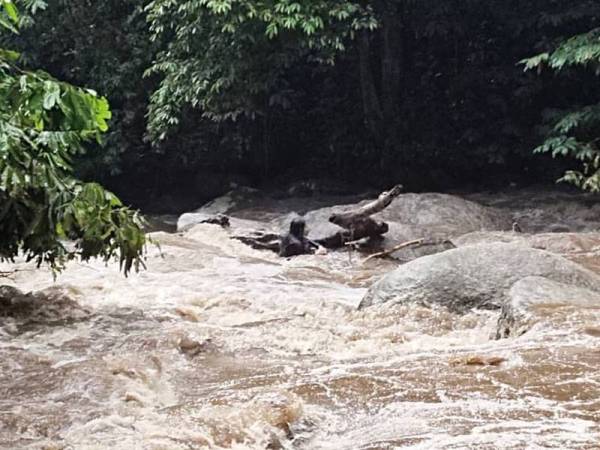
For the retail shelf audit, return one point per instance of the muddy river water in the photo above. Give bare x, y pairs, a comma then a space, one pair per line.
220, 346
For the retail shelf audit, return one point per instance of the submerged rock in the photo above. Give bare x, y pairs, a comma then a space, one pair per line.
477, 276
192, 347
52, 305
530, 297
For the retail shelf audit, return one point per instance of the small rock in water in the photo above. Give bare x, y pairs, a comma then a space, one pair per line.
187, 314
50, 306
478, 361
592, 331
191, 347
321, 251
130, 397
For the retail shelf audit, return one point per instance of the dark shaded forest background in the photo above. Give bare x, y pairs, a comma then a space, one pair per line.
434, 98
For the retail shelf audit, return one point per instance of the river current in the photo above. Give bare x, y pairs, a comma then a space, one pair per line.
220, 346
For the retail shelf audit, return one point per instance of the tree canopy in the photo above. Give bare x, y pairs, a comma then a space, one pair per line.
427, 92
575, 133
44, 123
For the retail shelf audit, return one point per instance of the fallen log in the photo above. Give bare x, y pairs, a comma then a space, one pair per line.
356, 225
219, 219
260, 240
349, 219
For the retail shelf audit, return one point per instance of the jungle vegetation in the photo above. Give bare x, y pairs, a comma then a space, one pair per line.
435, 94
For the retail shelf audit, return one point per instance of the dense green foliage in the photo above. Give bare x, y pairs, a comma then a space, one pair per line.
102, 44
44, 123
207, 92
208, 64
575, 133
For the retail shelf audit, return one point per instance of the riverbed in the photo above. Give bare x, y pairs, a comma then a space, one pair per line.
217, 345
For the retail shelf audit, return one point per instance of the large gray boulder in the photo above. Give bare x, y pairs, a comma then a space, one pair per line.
436, 218
477, 276
442, 215
534, 299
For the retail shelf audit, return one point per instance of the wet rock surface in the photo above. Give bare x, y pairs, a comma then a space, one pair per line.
477, 276
269, 209
540, 210
434, 217
529, 300
51, 306
583, 248
437, 218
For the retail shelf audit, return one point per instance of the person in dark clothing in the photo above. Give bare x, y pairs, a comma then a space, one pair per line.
295, 243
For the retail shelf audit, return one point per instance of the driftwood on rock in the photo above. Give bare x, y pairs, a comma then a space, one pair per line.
394, 249
219, 219
356, 224
260, 240
349, 219
444, 244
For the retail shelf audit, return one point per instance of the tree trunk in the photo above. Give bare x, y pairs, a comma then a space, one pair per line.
391, 78
371, 104
381, 104
266, 143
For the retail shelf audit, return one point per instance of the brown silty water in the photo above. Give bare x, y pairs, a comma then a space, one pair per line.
220, 346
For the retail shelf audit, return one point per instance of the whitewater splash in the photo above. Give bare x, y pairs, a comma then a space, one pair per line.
220, 346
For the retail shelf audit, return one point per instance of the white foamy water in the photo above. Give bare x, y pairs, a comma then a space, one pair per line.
220, 346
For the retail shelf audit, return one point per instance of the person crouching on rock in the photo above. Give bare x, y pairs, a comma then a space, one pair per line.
295, 243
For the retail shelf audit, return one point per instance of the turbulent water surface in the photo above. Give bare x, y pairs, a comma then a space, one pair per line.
217, 346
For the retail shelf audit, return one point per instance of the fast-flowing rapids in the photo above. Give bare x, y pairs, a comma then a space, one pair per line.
218, 346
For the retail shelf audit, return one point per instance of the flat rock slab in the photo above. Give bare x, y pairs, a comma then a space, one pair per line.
532, 299
477, 276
